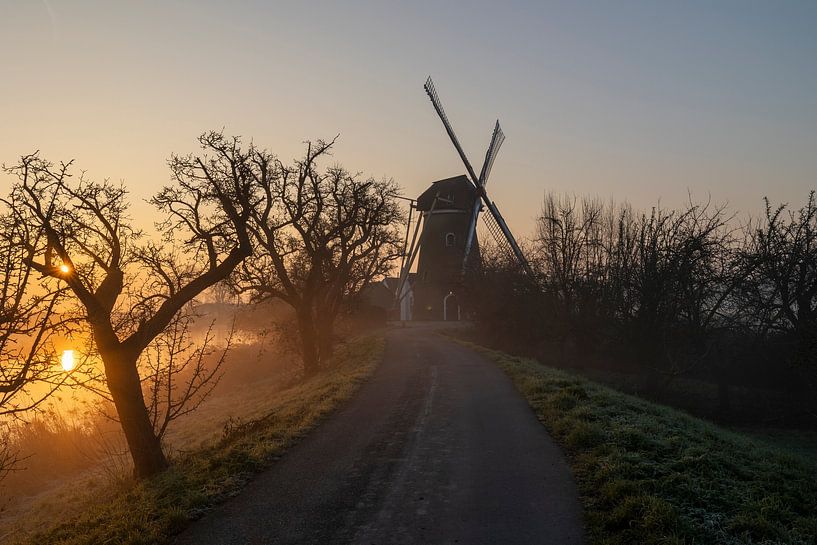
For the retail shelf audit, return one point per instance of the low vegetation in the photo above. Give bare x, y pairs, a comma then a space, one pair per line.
649, 474
153, 510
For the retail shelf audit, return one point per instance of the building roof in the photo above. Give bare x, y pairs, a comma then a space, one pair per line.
455, 193
380, 293
392, 282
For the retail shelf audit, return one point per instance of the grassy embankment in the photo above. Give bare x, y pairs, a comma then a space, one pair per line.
155, 510
649, 474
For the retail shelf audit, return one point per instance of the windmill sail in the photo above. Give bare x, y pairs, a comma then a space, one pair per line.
493, 149
498, 137
490, 156
499, 237
438, 106
517, 251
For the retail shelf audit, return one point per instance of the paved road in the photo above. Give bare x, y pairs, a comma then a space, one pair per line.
437, 448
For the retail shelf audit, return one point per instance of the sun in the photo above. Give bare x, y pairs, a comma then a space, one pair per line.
67, 360
65, 269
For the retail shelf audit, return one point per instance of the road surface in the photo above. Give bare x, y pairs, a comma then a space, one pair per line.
437, 448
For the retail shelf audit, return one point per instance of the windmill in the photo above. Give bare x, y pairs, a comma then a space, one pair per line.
447, 244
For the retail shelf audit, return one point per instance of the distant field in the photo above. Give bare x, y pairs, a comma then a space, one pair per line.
649, 474
235, 435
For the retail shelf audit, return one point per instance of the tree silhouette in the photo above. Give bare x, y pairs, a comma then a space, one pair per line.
781, 282
319, 237
129, 287
28, 320
27, 323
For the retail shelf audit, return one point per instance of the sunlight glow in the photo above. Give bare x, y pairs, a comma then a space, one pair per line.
67, 360
65, 269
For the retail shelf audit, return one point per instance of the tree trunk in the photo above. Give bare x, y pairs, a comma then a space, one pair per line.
325, 331
126, 390
309, 342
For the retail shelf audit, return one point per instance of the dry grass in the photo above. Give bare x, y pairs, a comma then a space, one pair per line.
262, 421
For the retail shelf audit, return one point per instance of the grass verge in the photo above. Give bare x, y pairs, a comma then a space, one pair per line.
155, 510
650, 474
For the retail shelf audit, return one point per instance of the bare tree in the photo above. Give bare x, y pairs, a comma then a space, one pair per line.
179, 373
320, 236
675, 283
28, 375
222, 293
129, 293
570, 255
781, 283
28, 320
568, 243
654, 286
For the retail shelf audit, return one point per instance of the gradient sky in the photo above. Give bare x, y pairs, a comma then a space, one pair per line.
632, 100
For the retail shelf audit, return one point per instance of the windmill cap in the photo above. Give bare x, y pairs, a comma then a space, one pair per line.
456, 193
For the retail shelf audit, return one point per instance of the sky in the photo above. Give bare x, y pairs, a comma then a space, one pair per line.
637, 101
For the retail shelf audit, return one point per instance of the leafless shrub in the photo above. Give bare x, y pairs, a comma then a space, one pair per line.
179, 373
781, 283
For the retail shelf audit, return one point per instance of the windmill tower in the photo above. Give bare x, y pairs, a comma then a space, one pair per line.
445, 209
447, 246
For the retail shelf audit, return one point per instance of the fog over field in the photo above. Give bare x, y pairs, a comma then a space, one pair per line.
73, 445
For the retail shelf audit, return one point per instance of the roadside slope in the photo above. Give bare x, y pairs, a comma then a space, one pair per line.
652, 475
153, 511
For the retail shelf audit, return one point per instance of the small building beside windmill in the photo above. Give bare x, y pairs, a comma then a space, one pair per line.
446, 208
380, 294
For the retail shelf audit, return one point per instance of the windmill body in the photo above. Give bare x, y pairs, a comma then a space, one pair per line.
445, 208
447, 244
